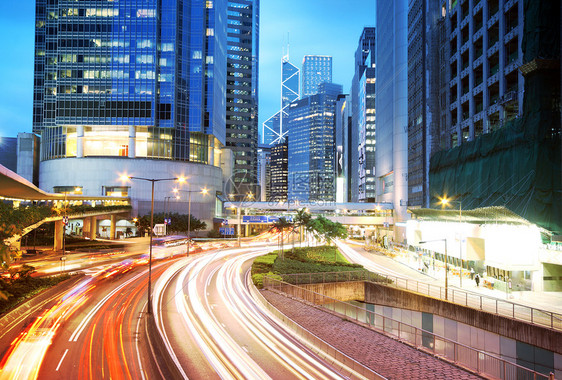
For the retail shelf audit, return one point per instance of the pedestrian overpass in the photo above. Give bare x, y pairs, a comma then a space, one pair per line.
254, 216
22, 193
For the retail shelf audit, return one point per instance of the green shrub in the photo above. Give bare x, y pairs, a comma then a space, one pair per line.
258, 278
264, 264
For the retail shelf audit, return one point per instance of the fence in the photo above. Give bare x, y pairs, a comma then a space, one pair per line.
468, 357
477, 301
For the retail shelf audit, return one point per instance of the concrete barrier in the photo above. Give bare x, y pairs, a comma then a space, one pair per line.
535, 335
165, 362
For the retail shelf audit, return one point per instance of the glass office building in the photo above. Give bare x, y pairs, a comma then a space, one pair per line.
275, 129
311, 169
316, 69
242, 90
131, 79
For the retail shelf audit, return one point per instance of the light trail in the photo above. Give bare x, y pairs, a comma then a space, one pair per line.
215, 326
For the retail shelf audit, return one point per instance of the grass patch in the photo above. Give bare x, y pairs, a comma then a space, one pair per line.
19, 291
321, 264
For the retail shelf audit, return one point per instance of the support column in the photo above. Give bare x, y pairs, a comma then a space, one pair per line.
113, 227
132, 141
86, 227
80, 141
247, 230
93, 227
59, 228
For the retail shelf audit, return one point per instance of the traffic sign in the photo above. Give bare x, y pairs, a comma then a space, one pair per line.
226, 230
225, 222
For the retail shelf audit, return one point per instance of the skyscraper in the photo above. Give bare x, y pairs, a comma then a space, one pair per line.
242, 90
275, 129
316, 69
364, 58
278, 171
124, 80
391, 103
424, 28
343, 148
312, 146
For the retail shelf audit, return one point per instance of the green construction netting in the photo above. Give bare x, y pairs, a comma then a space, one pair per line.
518, 166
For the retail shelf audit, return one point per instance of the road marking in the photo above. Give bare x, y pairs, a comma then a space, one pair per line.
61, 359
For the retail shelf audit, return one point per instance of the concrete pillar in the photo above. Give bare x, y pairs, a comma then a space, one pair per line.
80, 141
59, 228
113, 227
247, 230
86, 228
93, 227
132, 141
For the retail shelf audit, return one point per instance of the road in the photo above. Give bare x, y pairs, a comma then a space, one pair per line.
215, 329
92, 331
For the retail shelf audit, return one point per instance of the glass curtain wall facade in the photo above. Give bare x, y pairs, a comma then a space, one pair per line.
364, 57
391, 103
316, 69
242, 90
275, 129
134, 79
278, 172
312, 146
424, 27
367, 135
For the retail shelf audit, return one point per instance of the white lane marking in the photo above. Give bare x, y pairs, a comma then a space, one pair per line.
61, 359
137, 344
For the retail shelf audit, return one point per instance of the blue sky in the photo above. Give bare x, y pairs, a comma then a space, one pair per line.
327, 27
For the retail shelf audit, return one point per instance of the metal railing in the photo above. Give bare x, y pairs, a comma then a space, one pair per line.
460, 354
481, 302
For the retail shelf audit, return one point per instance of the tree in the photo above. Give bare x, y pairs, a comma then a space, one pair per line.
280, 226
302, 220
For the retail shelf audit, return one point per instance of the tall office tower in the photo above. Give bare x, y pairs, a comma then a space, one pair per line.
364, 57
242, 91
367, 135
391, 103
275, 129
483, 55
312, 146
499, 53
264, 172
343, 148
424, 29
278, 172
116, 81
315, 69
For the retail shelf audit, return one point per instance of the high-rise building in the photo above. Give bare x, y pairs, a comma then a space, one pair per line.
278, 164
343, 162
315, 69
242, 91
367, 135
483, 53
312, 146
364, 57
264, 172
391, 103
425, 29
9, 152
128, 86
275, 129
503, 109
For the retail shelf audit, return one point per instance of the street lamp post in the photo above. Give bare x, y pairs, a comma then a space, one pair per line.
445, 201
446, 264
204, 192
152, 181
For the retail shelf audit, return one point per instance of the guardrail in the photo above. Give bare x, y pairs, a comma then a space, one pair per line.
345, 363
485, 303
479, 361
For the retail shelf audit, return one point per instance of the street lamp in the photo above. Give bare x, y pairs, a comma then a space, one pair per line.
446, 264
204, 192
445, 202
152, 181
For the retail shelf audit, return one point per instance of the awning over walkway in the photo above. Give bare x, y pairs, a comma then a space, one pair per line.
484, 215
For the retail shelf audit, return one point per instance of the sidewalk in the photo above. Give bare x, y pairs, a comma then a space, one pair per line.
547, 301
